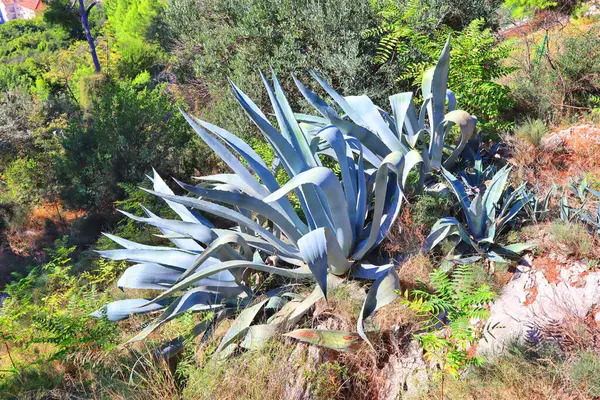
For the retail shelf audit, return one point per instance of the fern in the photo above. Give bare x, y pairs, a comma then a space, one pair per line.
456, 300
411, 38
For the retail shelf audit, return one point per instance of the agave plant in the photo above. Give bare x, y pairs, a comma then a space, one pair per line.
382, 133
589, 218
539, 208
207, 268
486, 215
477, 177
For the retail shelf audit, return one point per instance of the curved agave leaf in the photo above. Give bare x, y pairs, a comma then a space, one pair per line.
193, 230
368, 113
214, 247
175, 258
321, 251
343, 154
226, 156
514, 210
333, 216
157, 277
182, 242
259, 167
435, 84
148, 276
248, 202
186, 215
369, 271
317, 102
287, 122
405, 116
446, 227
361, 188
227, 179
121, 309
356, 129
335, 340
400, 166
265, 246
459, 191
240, 325
494, 191
466, 123
194, 300
383, 292
297, 273
231, 215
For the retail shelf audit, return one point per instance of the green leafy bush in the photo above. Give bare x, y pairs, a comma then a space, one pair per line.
131, 24
526, 8
477, 60
564, 81
216, 39
50, 305
128, 130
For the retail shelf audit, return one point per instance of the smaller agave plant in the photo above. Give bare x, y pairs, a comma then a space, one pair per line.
206, 268
589, 218
382, 133
486, 214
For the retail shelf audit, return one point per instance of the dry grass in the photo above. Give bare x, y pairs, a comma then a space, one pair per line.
43, 223
414, 271
543, 164
575, 238
405, 236
253, 375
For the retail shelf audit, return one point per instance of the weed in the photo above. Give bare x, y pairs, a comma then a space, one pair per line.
532, 131
327, 379
584, 371
575, 237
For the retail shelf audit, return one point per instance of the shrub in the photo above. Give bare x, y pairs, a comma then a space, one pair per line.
18, 108
562, 82
216, 39
477, 59
128, 130
50, 305
25, 183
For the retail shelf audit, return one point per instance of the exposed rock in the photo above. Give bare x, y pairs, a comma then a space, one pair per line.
405, 374
544, 290
302, 359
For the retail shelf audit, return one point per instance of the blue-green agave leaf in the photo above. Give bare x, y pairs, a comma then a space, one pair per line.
382, 292
334, 214
241, 324
121, 309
